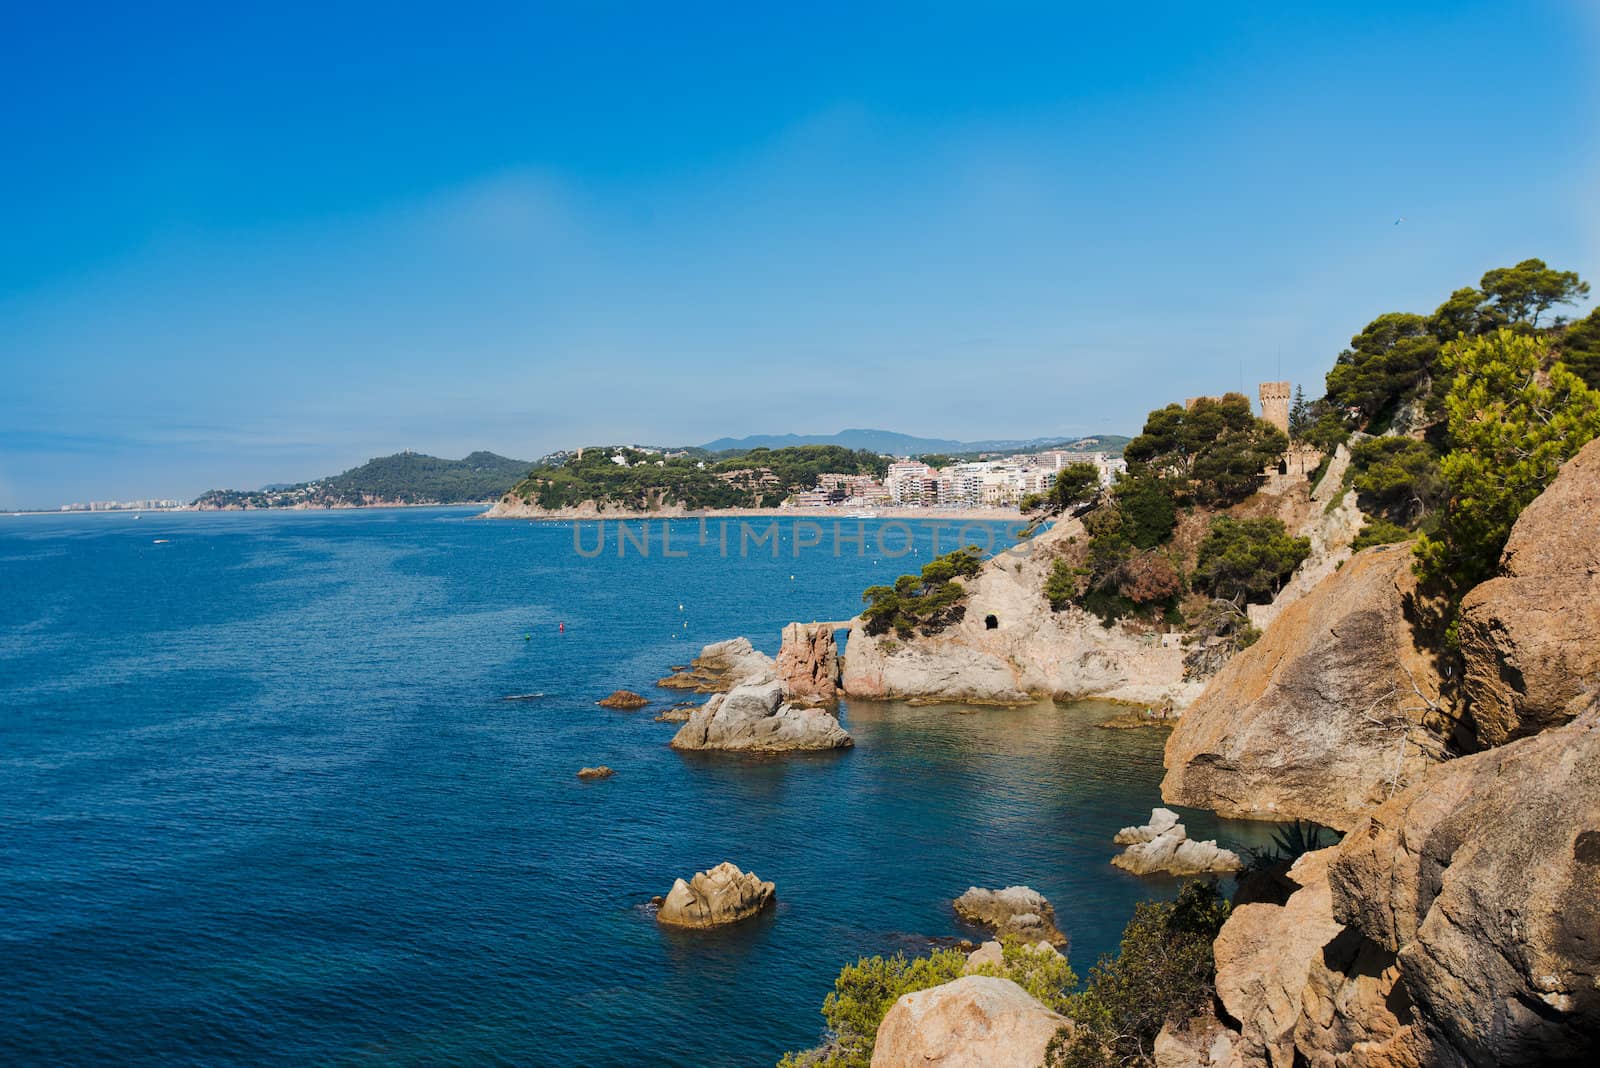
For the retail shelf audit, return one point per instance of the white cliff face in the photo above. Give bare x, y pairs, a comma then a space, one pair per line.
1331, 527
1029, 652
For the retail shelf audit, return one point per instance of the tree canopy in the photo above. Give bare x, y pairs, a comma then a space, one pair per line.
1247, 559
1513, 418
927, 602
1525, 292
1216, 451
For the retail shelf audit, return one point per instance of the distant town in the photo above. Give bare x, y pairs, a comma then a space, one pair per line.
994, 483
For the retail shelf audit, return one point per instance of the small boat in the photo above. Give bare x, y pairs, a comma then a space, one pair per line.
161, 541
522, 697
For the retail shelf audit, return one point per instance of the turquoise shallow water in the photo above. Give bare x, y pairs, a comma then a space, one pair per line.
263, 803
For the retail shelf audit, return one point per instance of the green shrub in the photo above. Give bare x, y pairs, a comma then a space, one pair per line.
866, 990
1164, 972
1379, 531
1397, 479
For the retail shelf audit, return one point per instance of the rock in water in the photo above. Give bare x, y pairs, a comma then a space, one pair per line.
978, 1021
712, 898
601, 772
1163, 845
754, 717
1529, 640
1162, 820
808, 664
1017, 910
721, 666
1332, 710
626, 700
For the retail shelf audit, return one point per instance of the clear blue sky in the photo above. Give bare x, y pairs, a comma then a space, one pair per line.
241, 248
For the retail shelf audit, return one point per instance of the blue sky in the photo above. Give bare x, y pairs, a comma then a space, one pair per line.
245, 247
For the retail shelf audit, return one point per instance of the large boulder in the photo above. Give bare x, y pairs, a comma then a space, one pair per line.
977, 1021
1016, 910
1331, 711
808, 663
755, 717
713, 898
1530, 639
721, 666
1163, 846
1485, 884
1454, 926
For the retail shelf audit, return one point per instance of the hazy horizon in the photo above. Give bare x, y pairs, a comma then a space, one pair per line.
245, 249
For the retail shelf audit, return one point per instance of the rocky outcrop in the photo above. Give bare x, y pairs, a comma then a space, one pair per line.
677, 713
977, 1021
600, 772
713, 898
1529, 640
721, 666
1163, 845
1455, 925
808, 664
993, 955
754, 717
1331, 711
1016, 910
626, 700
1029, 652
1332, 526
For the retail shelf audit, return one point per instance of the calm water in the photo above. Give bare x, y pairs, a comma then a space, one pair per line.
262, 802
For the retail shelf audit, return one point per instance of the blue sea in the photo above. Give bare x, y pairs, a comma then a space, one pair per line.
262, 800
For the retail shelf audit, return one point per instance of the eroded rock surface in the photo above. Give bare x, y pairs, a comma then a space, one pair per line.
1030, 652
977, 1021
1331, 711
755, 717
713, 898
626, 700
808, 664
1017, 910
1456, 925
1530, 639
721, 666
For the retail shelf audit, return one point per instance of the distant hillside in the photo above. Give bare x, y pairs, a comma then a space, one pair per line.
641, 479
404, 478
890, 443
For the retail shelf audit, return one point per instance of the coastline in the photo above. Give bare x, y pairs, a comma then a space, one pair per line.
589, 512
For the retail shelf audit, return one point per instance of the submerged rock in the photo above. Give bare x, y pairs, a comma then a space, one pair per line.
1163, 845
1528, 638
713, 898
626, 700
721, 666
978, 1021
754, 717
678, 713
600, 772
808, 664
1017, 910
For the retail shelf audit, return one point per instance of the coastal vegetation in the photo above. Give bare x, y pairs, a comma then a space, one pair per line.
927, 602
404, 478
644, 480
1164, 972
866, 990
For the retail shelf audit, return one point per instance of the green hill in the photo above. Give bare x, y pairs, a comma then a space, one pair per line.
639, 479
404, 478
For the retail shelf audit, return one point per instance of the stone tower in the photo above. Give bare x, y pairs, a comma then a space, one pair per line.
1275, 404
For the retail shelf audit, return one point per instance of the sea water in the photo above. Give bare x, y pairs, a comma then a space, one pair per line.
262, 800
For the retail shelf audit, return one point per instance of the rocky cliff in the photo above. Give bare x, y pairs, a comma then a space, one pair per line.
1455, 925
1331, 711
1010, 647
1530, 639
